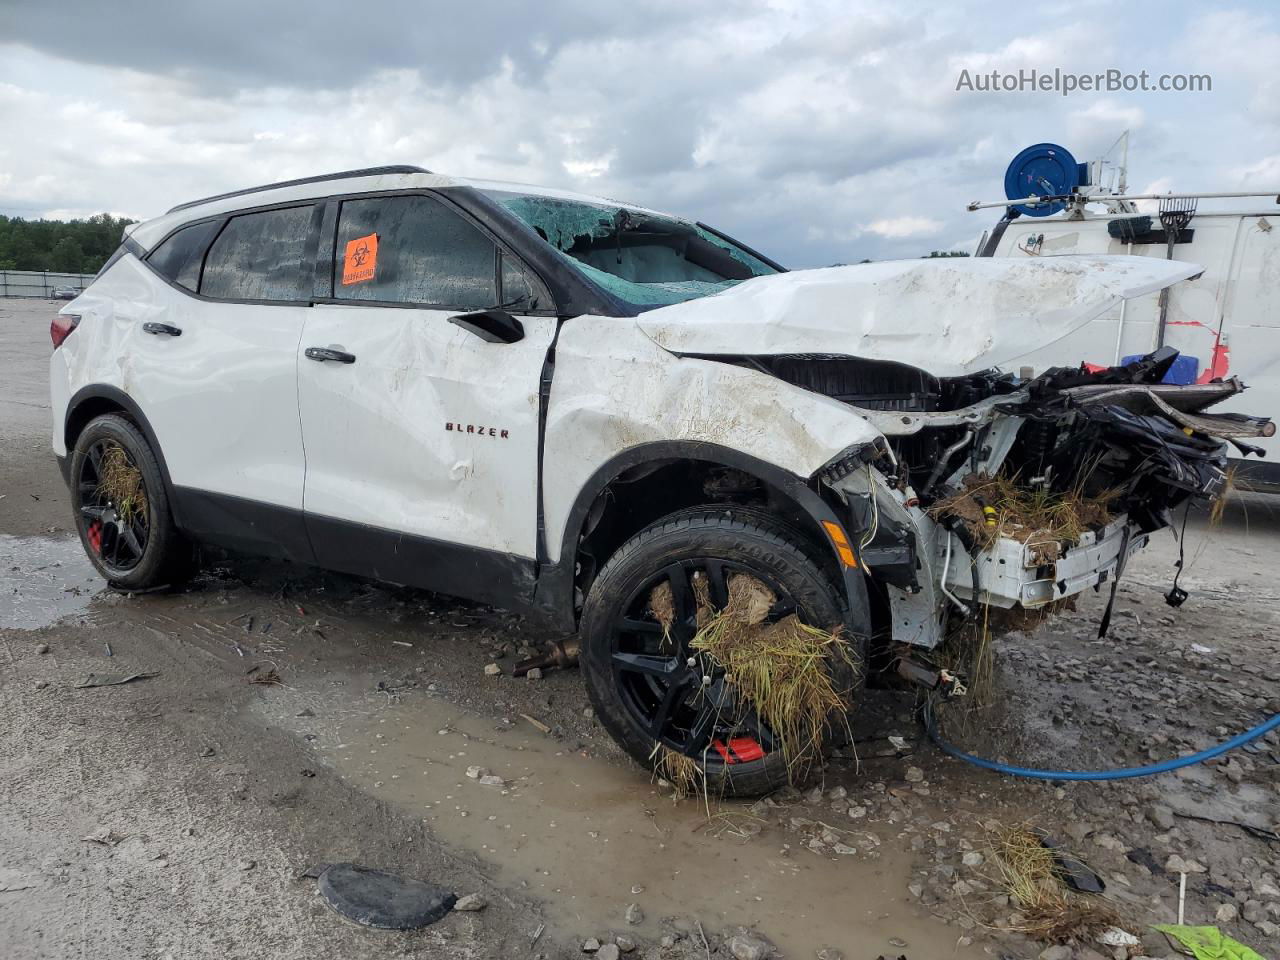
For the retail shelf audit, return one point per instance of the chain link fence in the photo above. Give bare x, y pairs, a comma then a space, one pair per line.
40, 283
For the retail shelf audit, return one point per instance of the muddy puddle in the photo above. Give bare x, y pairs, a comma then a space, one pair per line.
589, 837
44, 579
585, 835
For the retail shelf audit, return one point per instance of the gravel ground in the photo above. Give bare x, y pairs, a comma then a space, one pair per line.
175, 816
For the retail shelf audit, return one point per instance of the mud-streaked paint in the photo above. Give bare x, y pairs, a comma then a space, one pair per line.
222, 398
615, 389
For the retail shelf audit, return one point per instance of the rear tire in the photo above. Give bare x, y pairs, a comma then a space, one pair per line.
636, 707
132, 541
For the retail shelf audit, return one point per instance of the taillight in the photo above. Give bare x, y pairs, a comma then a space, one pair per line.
61, 328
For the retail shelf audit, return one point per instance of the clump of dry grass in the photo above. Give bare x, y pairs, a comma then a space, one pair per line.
782, 669
685, 774
1037, 516
121, 483
972, 655
969, 649
662, 607
1048, 910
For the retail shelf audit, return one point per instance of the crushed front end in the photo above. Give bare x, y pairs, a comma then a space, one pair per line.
1017, 493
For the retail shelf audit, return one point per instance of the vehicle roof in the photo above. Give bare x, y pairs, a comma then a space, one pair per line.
150, 232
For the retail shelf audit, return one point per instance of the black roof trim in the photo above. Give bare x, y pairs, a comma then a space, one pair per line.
341, 175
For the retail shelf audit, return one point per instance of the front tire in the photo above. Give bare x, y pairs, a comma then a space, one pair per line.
648, 689
122, 510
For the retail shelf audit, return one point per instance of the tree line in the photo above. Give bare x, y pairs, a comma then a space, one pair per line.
72, 246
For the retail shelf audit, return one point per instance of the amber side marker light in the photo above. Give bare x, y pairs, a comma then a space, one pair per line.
841, 542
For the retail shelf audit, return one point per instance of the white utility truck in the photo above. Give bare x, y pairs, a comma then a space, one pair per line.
1224, 323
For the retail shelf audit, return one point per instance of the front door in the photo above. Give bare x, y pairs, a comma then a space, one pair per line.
421, 438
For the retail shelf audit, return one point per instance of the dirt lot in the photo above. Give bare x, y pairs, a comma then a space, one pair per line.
173, 816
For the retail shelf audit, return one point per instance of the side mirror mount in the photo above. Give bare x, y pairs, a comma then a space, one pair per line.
491, 326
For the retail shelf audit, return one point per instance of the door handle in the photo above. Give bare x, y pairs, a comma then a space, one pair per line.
167, 329
328, 353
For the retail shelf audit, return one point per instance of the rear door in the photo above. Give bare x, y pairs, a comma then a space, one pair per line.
213, 362
421, 437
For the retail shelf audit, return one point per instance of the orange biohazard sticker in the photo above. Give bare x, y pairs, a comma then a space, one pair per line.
361, 259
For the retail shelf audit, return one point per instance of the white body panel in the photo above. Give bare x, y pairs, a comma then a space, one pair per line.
615, 389
1227, 318
387, 437
222, 398
948, 316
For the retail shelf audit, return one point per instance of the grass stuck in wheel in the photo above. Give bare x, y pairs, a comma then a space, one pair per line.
120, 482
781, 669
662, 607
685, 774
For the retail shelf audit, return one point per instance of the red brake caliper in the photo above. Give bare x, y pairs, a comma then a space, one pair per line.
95, 536
739, 750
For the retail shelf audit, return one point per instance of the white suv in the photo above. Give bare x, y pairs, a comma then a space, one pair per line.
555, 403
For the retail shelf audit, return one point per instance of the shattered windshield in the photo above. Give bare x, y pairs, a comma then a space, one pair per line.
643, 258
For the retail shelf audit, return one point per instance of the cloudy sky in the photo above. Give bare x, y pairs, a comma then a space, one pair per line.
819, 132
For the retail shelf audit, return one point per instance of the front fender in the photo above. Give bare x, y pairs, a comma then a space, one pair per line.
615, 390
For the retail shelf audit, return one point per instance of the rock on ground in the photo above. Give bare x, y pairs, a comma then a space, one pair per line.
745, 945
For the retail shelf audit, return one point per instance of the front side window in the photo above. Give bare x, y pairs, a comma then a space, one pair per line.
413, 249
521, 290
259, 256
179, 258
644, 258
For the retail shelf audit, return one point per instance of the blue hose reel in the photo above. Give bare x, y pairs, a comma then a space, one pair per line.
1043, 170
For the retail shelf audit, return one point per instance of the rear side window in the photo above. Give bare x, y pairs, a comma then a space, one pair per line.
259, 256
413, 249
179, 258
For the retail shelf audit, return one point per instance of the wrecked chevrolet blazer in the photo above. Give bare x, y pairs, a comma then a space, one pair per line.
732, 483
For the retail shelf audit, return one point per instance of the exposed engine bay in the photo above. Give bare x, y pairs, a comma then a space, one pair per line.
993, 489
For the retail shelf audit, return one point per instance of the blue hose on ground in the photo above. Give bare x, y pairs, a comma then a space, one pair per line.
1122, 774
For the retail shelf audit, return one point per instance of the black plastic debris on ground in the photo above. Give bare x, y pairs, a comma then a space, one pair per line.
1142, 856
375, 898
1074, 873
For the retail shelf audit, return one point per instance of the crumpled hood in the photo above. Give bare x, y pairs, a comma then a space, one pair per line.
949, 316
